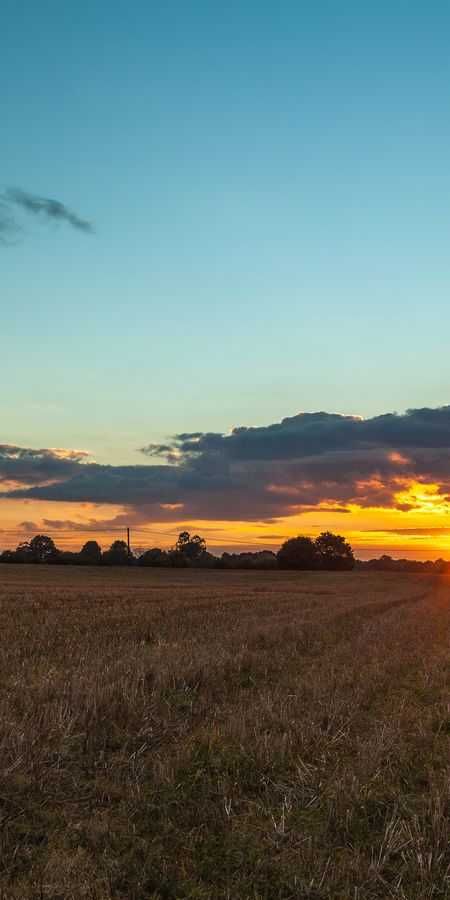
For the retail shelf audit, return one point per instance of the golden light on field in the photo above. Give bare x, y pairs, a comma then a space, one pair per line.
276, 709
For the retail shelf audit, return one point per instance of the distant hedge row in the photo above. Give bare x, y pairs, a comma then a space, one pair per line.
327, 552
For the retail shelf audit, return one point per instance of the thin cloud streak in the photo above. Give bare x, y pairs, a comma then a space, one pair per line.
51, 209
44, 208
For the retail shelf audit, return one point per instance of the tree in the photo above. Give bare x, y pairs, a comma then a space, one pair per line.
154, 557
178, 560
67, 558
41, 549
8, 556
334, 551
191, 547
298, 553
206, 561
91, 554
260, 559
117, 555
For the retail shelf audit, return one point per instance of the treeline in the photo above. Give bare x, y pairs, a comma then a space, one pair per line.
386, 563
328, 552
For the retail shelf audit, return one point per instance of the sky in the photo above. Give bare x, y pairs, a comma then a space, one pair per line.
253, 227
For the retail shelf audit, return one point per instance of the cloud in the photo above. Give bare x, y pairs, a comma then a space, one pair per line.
31, 204
304, 462
410, 532
8, 227
37, 467
313, 434
51, 209
94, 525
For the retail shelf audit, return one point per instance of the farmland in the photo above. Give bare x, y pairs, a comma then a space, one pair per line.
202, 734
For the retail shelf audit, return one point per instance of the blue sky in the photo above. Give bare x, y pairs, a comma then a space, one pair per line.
269, 186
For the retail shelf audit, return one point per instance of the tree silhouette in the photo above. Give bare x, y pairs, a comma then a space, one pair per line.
40, 549
90, 553
117, 555
298, 553
334, 551
154, 557
191, 547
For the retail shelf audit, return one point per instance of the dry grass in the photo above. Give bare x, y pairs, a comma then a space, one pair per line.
203, 735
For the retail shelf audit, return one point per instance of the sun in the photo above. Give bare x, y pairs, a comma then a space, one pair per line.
425, 498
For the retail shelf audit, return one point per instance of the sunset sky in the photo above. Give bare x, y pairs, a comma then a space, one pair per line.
232, 314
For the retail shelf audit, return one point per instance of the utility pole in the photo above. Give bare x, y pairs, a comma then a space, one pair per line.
128, 543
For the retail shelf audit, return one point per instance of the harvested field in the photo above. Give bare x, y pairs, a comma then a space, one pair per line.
195, 734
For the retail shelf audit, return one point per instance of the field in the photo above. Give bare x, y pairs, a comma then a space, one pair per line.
194, 734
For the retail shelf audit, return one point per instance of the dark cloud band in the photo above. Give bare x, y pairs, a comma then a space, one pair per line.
254, 473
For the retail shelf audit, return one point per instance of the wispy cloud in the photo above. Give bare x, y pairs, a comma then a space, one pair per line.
48, 208
8, 227
44, 208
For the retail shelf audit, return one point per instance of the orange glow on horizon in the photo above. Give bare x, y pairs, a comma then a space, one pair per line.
418, 525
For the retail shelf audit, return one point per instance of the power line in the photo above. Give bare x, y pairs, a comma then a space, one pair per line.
114, 530
68, 540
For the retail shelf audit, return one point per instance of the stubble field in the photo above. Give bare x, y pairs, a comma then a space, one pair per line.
200, 734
